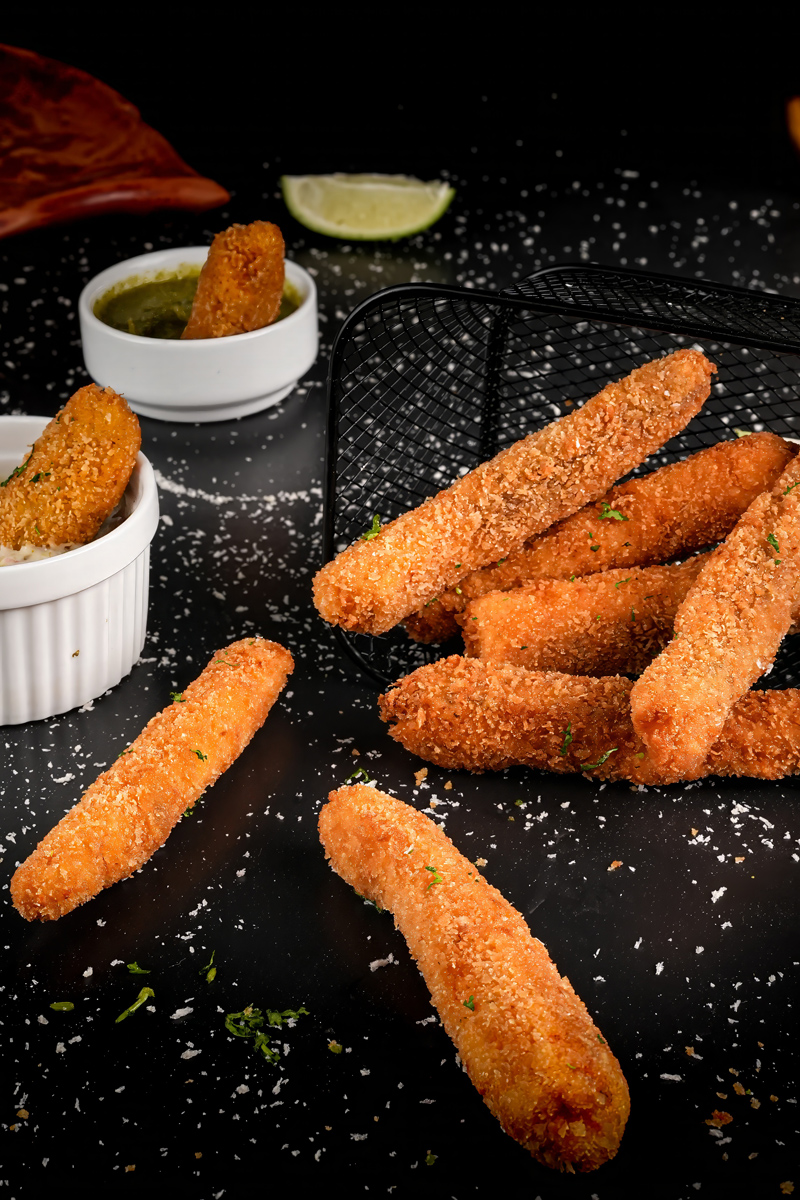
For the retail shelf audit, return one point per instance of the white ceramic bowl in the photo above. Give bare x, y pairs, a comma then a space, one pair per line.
204, 379
72, 626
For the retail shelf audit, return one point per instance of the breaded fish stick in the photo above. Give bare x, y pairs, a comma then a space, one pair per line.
525, 1038
241, 283
462, 713
652, 519
75, 474
130, 810
605, 624
727, 632
543, 478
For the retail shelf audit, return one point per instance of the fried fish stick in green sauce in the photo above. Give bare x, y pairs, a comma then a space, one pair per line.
650, 519
131, 809
525, 1038
376, 582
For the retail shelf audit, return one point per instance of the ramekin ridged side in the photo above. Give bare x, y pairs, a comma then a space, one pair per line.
61, 654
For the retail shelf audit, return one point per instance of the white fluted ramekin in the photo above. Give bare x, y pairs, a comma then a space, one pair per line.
203, 379
73, 625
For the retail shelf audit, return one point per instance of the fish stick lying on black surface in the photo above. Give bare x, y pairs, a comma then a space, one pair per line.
525, 1038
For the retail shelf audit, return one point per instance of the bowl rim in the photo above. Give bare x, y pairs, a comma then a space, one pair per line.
26, 583
104, 279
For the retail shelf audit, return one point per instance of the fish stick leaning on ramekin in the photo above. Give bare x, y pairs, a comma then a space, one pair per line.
75, 475
525, 1038
130, 810
375, 583
727, 633
241, 283
651, 519
611, 623
461, 713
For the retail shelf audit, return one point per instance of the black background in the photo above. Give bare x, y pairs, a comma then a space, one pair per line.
495, 107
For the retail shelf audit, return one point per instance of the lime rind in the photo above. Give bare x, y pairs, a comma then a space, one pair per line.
365, 207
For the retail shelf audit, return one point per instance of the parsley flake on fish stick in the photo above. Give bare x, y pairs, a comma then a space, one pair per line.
374, 584
75, 474
650, 519
525, 1038
727, 633
463, 713
130, 810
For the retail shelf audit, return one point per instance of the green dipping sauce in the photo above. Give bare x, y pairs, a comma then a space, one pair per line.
160, 308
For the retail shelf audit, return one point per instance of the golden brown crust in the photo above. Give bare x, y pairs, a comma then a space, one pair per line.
611, 623
130, 810
374, 584
727, 632
463, 713
668, 513
75, 475
241, 284
529, 1045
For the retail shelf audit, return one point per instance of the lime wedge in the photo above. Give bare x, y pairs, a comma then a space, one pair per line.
365, 207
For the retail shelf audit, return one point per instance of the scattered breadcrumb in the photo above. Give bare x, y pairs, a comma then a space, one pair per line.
615, 864
421, 774
718, 1119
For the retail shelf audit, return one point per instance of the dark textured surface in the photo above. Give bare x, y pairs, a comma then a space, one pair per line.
240, 538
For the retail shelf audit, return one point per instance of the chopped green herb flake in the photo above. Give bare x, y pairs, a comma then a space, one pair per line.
144, 994
620, 583
209, 970
177, 697
600, 761
200, 755
436, 878
608, 511
335, 1047
17, 471
248, 1024
430, 1159
374, 531
359, 774
742, 432
633, 616
602, 1040
470, 1004
773, 541
135, 969
458, 591
62, 1006
791, 487
567, 740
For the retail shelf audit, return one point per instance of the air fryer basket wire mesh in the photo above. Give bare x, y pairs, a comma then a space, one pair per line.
426, 382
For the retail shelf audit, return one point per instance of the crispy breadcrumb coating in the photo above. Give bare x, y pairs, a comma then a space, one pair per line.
727, 632
75, 474
668, 513
543, 478
241, 283
463, 713
526, 1039
611, 623
130, 810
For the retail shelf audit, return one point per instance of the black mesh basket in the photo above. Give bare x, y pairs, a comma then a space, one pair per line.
426, 382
